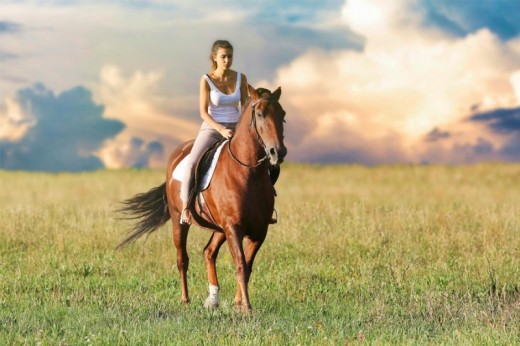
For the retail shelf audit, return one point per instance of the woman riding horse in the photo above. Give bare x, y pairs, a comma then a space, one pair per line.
240, 197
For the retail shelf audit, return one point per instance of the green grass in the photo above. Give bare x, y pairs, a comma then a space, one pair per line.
382, 255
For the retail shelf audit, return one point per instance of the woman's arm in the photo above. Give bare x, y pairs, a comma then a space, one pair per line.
244, 90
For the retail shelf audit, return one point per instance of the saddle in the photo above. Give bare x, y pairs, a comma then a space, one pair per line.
203, 165
199, 211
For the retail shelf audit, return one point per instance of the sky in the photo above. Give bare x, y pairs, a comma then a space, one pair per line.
90, 84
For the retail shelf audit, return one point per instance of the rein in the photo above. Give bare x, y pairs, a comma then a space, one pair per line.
258, 137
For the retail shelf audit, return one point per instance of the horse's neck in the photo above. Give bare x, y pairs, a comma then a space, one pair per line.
245, 143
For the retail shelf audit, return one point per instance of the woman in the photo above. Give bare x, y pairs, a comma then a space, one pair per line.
221, 91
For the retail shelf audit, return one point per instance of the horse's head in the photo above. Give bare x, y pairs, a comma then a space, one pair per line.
268, 117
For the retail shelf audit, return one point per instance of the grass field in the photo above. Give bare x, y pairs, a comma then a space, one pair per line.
381, 255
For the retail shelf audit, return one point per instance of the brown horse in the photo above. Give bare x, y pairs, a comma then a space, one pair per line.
239, 201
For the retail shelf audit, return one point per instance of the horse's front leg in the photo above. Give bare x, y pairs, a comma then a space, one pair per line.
234, 237
180, 237
250, 251
210, 255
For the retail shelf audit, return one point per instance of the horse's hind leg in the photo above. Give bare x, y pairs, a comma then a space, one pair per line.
250, 250
210, 254
180, 237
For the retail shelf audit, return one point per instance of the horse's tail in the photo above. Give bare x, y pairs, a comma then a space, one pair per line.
150, 208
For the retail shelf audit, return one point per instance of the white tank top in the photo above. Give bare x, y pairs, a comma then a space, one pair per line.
224, 108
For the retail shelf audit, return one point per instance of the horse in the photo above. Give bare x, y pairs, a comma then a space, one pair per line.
239, 200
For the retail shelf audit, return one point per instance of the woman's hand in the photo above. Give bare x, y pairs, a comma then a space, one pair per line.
227, 133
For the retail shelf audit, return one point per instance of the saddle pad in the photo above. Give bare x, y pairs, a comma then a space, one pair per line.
178, 172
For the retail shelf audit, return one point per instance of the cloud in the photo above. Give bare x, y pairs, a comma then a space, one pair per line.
458, 148
482, 136
150, 70
506, 122
79, 38
14, 122
461, 18
72, 131
386, 101
437, 19
501, 120
363, 80
147, 114
7, 27
60, 132
4, 56
511, 150
135, 153
436, 134
483, 147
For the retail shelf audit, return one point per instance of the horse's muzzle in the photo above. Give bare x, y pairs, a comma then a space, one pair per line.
276, 155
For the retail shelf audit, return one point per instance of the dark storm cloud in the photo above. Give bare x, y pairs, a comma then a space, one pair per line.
436, 134
67, 129
502, 122
506, 120
460, 18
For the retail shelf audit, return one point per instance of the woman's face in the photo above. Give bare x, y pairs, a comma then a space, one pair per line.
223, 58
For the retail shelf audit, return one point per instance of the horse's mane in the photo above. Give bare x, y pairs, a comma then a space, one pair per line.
263, 92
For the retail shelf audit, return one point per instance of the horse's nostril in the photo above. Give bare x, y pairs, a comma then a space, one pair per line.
272, 151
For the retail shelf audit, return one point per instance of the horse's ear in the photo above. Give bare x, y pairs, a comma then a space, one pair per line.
252, 92
277, 93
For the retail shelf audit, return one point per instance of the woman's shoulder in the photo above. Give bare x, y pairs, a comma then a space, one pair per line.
236, 73
239, 73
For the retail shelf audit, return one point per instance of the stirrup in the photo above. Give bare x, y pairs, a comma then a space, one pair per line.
182, 221
274, 218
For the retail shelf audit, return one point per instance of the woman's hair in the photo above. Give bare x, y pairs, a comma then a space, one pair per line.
225, 44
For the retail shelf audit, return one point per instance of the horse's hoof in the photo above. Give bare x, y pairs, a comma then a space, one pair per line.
245, 309
210, 303
185, 301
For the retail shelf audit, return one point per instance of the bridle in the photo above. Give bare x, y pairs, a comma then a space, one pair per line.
258, 137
